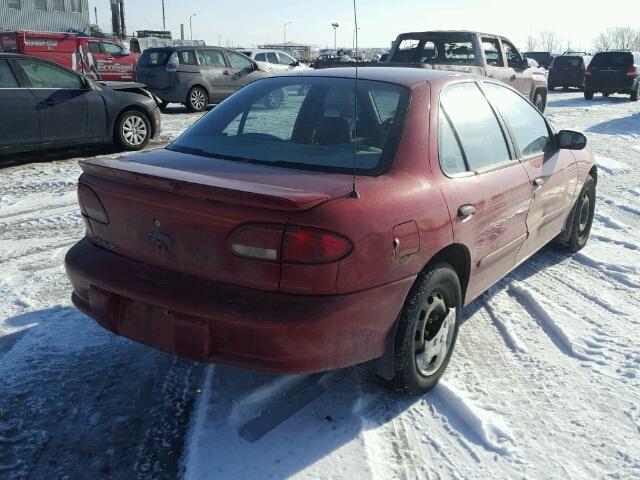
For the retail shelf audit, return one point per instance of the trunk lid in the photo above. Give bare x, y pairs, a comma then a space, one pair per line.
176, 211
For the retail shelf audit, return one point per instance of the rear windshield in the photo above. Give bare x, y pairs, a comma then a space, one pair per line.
612, 60
306, 123
567, 62
155, 57
437, 48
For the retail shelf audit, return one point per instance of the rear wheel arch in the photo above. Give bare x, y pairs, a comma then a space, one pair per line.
594, 173
458, 256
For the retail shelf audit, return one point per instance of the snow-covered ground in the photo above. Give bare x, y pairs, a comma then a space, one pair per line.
544, 383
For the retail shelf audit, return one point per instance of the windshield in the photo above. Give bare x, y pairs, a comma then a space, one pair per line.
304, 122
612, 60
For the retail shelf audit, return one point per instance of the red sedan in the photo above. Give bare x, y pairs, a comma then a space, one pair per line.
346, 225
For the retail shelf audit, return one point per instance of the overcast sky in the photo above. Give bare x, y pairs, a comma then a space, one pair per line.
250, 22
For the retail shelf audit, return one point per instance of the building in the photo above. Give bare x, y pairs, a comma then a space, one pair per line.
45, 15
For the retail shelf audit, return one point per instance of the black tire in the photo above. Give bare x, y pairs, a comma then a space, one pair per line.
197, 99
540, 100
605, 94
427, 316
565, 88
588, 94
163, 106
274, 99
132, 130
577, 234
636, 93
551, 88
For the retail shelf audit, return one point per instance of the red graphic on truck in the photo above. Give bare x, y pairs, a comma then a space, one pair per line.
98, 58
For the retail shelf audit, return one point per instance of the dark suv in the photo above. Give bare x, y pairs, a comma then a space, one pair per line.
195, 76
614, 72
569, 70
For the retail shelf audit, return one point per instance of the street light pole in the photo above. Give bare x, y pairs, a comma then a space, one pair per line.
285, 33
191, 26
335, 26
164, 23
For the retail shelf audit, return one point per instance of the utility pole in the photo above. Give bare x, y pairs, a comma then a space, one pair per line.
191, 26
335, 26
164, 23
285, 33
182, 31
95, 10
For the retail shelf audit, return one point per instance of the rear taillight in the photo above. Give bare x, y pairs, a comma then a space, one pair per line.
589, 71
90, 205
258, 241
632, 72
173, 63
288, 244
313, 246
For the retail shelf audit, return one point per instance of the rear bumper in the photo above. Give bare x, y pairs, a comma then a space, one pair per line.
212, 322
625, 85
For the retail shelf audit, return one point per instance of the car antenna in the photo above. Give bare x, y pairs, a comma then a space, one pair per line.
354, 191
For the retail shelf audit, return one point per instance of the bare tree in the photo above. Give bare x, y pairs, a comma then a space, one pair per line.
549, 41
618, 38
532, 43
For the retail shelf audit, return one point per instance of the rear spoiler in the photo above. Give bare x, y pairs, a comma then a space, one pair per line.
202, 186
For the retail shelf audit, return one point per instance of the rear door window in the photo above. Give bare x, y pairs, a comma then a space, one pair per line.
45, 75
450, 151
272, 58
528, 129
213, 58
7, 78
492, 52
476, 125
94, 47
261, 57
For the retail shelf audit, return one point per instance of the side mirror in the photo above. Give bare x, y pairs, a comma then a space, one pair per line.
571, 140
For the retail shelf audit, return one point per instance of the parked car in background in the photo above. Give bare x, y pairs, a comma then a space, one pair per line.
569, 70
245, 243
472, 52
274, 61
196, 76
544, 59
97, 58
614, 72
44, 105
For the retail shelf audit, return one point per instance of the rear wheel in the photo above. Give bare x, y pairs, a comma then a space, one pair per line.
132, 130
605, 94
197, 99
635, 94
588, 94
428, 330
579, 230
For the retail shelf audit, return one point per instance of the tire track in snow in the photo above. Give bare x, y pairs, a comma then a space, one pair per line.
549, 326
476, 425
503, 326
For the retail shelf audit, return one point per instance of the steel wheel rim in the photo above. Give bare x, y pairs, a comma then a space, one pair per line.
198, 99
134, 130
585, 210
434, 334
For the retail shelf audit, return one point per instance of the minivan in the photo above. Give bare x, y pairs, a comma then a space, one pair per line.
614, 72
195, 76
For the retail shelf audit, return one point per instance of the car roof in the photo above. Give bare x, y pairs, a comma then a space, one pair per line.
407, 76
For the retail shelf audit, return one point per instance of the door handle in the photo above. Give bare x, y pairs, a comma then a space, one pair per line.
514, 76
48, 103
465, 212
538, 182
109, 58
226, 72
